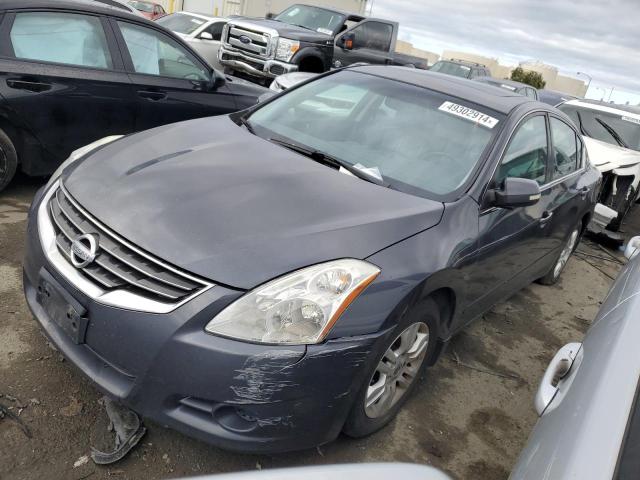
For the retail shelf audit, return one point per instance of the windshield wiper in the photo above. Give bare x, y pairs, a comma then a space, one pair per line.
244, 121
582, 129
616, 136
326, 159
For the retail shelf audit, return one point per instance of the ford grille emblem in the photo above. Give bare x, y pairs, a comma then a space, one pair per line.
83, 250
244, 39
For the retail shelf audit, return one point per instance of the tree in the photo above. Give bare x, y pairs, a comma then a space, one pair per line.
530, 78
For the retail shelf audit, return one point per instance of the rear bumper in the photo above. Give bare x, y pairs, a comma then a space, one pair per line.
235, 395
253, 66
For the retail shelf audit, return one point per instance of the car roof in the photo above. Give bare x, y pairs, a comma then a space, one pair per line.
202, 16
499, 81
85, 5
606, 107
466, 63
498, 99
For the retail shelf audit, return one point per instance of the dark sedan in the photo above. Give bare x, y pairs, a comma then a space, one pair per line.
268, 279
74, 72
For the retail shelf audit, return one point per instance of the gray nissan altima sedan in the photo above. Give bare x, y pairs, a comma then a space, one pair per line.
268, 279
588, 402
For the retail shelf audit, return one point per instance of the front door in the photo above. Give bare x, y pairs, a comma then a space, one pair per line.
512, 240
371, 44
169, 82
65, 79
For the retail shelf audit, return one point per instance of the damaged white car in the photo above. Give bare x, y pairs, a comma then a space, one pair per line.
612, 137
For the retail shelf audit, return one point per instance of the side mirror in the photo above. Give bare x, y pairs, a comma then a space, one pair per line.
216, 81
269, 16
347, 40
516, 192
205, 36
632, 248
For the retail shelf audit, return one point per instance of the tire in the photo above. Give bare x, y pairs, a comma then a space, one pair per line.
570, 244
8, 161
368, 416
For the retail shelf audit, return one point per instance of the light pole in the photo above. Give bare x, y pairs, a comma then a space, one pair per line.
590, 78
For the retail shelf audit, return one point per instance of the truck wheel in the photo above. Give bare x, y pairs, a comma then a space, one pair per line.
395, 373
8, 160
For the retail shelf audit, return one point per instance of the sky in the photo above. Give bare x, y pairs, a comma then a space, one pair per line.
598, 37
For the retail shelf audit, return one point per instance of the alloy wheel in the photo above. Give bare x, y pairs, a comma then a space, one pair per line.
566, 253
397, 370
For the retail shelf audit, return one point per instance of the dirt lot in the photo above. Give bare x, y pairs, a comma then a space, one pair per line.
470, 416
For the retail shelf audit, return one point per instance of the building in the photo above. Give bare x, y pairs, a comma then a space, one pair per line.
255, 8
555, 81
408, 49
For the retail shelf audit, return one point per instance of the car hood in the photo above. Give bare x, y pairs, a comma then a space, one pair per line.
285, 30
606, 157
209, 197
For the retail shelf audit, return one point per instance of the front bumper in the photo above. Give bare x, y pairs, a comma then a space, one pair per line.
257, 67
235, 395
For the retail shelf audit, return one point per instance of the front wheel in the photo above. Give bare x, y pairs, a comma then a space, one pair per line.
570, 245
8, 160
396, 372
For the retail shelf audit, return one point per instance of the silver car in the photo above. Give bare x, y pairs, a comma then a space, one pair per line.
589, 426
202, 32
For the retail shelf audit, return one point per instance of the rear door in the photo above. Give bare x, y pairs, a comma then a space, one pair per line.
567, 191
512, 240
371, 44
169, 81
61, 72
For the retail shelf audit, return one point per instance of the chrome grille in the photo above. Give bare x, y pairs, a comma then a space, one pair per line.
258, 45
118, 265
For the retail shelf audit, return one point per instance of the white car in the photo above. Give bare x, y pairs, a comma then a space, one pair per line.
612, 138
202, 32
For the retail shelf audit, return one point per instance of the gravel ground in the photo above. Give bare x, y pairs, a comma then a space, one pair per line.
470, 416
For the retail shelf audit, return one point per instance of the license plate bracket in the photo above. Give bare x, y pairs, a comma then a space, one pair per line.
62, 308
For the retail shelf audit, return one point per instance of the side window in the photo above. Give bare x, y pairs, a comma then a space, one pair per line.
373, 35
565, 148
156, 54
526, 155
68, 38
215, 29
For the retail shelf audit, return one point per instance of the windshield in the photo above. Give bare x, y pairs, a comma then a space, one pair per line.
419, 141
615, 128
451, 68
312, 18
181, 23
142, 6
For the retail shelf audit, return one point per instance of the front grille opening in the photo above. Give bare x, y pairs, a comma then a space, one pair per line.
118, 265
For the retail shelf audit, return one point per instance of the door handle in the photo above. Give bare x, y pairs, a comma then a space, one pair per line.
556, 371
583, 192
546, 216
28, 85
152, 95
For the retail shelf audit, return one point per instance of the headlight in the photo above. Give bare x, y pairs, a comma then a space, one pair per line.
298, 308
286, 49
78, 154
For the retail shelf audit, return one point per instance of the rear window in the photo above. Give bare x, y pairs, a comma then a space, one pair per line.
451, 68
